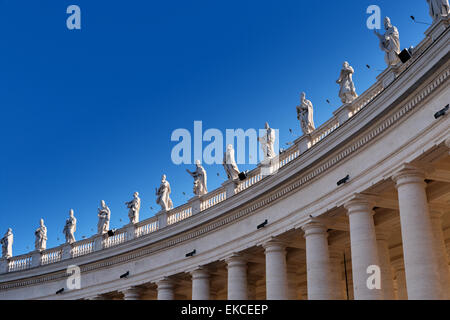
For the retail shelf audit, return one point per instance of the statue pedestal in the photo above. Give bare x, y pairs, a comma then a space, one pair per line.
304, 143
4, 265
66, 251
437, 28
344, 113
131, 231
98, 242
388, 76
229, 186
36, 259
269, 167
196, 201
162, 219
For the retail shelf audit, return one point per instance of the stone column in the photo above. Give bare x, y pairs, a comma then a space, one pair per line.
400, 277
165, 289
318, 269
363, 247
237, 278
387, 279
336, 261
441, 249
420, 256
200, 284
130, 294
276, 277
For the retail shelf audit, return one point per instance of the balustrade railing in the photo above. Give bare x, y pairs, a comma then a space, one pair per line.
51, 256
83, 247
119, 237
19, 263
213, 198
147, 227
178, 214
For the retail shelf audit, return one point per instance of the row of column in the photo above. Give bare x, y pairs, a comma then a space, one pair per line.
425, 274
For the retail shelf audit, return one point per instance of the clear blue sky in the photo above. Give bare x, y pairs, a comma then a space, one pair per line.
87, 115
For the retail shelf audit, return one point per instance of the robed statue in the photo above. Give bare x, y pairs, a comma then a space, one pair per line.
305, 114
199, 176
70, 227
267, 143
7, 242
347, 91
134, 207
390, 43
439, 9
163, 195
104, 216
229, 163
40, 243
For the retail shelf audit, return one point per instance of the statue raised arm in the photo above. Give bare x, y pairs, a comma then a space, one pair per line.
390, 43
200, 179
134, 206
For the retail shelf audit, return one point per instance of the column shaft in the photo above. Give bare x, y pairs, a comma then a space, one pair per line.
318, 269
420, 256
276, 277
165, 290
237, 278
200, 284
387, 279
363, 248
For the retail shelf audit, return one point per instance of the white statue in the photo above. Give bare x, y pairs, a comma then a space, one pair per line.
267, 142
104, 216
163, 194
134, 206
70, 228
347, 93
305, 114
199, 176
40, 243
438, 9
390, 43
7, 242
229, 164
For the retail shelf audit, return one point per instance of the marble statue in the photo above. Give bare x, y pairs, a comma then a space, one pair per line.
438, 9
70, 228
229, 163
134, 206
163, 194
104, 216
267, 143
305, 114
390, 43
7, 242
347, 93
200, 177
40, 243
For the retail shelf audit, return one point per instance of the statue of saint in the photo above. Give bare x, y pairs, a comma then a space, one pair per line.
390, 43
41, 237
305, 114
347, 93
229, 163
134, 206
104, 216
267, 142
199, 176
438, 9
7, 242
163, 194
70, 228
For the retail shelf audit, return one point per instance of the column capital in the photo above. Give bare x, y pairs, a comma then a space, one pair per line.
314, 227
274, 245
200, 273
235, 259
165, 283
130, 293
359, 203
409, 174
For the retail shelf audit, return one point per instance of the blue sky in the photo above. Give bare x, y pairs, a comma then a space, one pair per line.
87, 115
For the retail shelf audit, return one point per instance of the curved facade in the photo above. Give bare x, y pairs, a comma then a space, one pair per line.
390, 217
